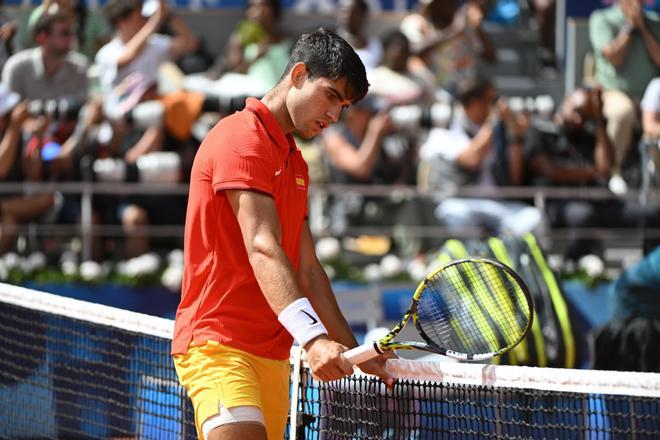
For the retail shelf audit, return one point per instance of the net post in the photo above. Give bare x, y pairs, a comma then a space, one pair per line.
296, 362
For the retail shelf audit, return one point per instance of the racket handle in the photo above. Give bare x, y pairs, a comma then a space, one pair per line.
361, 353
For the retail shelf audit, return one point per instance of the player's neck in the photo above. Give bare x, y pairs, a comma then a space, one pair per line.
275, 100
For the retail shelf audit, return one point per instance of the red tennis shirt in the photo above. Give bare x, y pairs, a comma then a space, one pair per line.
220, 298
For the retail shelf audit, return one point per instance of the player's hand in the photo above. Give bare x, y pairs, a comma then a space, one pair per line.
376, 367
325, 359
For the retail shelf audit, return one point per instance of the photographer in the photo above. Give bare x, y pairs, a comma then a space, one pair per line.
467, 153
366, 148
574, 150
16, 209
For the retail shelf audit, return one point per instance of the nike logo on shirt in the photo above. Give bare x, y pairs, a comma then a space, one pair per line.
278, 172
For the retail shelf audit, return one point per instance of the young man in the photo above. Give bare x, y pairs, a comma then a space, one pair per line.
51, 70
626, 42
483, 146
574, 150
252, 279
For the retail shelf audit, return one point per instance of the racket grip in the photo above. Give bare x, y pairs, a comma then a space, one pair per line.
362, 353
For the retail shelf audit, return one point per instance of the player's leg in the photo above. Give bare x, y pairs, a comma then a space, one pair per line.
242, 422
274, 379
224, 387
252, 422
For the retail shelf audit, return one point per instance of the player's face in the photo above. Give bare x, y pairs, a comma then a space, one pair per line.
316, 103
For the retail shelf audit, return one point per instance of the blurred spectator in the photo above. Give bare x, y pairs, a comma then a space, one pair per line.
129, 67
53, 78
651, 110
574, 149
130, 63
52, 70
92, 29
17, 209
635, 292
447, 40
650, 151
392, 80
465, 154
629, 341
365, 148
255, 56
545, 12
7, 34
625, 42
357, 148
352, 19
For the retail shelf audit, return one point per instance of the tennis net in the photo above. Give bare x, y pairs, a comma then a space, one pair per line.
71, 369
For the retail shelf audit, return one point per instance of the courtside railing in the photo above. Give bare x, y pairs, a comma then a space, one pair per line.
319, 194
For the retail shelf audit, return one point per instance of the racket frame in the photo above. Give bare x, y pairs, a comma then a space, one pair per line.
386, 343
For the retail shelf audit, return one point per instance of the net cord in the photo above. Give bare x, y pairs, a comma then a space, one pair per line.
86, 311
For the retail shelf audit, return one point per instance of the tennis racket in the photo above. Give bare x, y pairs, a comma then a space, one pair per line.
470, 309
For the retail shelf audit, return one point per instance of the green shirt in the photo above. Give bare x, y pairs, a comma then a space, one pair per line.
638, 69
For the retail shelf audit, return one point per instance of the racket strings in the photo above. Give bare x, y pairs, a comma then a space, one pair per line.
473, 307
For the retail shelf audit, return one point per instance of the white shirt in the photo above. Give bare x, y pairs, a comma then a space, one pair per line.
372, 54
651, 100
449, 143
147, 63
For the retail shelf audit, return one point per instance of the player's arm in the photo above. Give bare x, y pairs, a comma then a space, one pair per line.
316, 286
260, 227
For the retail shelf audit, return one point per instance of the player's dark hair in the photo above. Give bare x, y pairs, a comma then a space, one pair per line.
327, 55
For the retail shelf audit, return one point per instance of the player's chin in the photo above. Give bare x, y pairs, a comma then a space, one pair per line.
309, 133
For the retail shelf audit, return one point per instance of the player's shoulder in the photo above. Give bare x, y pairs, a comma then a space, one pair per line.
241, 133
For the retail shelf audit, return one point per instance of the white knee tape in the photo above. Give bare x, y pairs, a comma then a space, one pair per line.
237, 414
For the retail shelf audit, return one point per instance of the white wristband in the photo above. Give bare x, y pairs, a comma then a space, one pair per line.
300, 319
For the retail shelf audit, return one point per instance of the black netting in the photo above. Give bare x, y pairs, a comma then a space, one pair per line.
65, 378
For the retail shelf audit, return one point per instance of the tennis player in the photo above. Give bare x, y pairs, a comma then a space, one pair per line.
252, 280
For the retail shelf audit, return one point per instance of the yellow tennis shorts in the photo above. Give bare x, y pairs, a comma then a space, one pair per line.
215, 374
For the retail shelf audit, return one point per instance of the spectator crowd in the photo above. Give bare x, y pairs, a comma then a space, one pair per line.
127, 93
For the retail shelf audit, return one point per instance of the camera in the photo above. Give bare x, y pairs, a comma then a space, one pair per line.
154, 167
410, 117
62, 109
542, 105
231, 104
